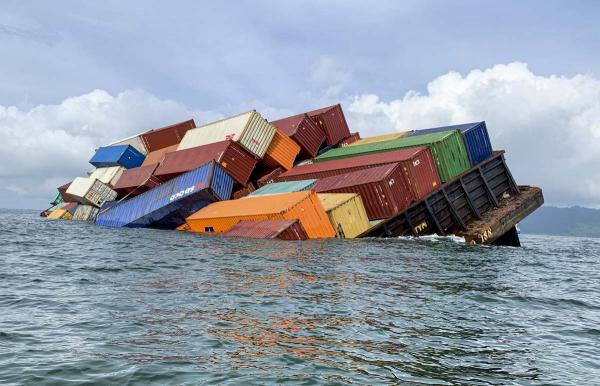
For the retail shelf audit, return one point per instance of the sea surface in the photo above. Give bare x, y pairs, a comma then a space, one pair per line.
81, 304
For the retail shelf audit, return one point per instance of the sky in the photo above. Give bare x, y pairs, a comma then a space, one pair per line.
77, 75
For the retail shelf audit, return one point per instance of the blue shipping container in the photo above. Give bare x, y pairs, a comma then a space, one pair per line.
121, 155
476, 138
167, 206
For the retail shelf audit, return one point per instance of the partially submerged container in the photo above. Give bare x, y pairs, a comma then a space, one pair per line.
60, 214
86, 213
268, 178
134, 141
447, 148
268, 229
90, 191
253, 132
381, 138
121, 155
346, 213
229, 154
350, 140
157, 156
166, 206
281, 152
284, 187
382, 189
333, 123
304, 131
476, 138
304, 206
108, 175
137, 181
166, 136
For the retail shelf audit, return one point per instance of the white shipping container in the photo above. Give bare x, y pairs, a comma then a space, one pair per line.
253, 132
90, 191
109, 175
86, 213
134, 141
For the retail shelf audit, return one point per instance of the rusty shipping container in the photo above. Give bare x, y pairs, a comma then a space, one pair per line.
156, 156
243, 191
268, 178
236, 161
350, 140
137, 181
62, 190
332, 121
304, 131
281, 152
382, 189
166, 136
268, 229
304, 206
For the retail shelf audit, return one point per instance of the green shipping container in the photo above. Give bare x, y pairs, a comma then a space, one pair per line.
447, 147
284, 187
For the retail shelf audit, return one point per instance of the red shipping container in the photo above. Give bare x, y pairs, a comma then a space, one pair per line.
269, 177
304, 131
332, 121
382, 189
166, 136
243, 191
156, 156
62, 190
232, 157
136, 181
268, 229
351, 139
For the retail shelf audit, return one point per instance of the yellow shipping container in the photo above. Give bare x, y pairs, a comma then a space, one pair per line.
304, 206
60, 214
381, 138
346, 213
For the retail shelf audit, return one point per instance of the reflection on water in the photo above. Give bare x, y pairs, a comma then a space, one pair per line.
155, 307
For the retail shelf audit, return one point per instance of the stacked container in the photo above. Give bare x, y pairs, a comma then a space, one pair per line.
381, 138
134, 141
122, 155
137, 181
346, 213
350, 140
166, 206
281, 152
90, 191
284, 187
156, 156
303, 131
269, 177
62, 190
60, 214
166, 136
249, 130
333, 123
304, 206
109, 175
86, 213
268, 229
382, 189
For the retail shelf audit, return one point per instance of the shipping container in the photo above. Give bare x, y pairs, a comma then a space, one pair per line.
137, 181
346, 212
134, 141
86, 213
62, 190
332, 121
90, 191
284, 187
350, 140
60, 214
57, 200
157, 156
268, 229
71, 207
229, 154
166, 206
166, 136
122, 155
447, 147
304, 206
476, 138
109, 175
268, 178
382, 189
417, 163
382, 138
243, 191
281, 152
304, 131
250, 130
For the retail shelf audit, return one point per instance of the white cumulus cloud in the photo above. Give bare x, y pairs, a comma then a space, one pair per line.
549, 125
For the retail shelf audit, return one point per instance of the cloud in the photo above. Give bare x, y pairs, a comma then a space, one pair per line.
549, 125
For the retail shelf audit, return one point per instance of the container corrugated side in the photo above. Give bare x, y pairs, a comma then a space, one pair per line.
108, 175
332, 121
350, 140
281, 152
86, 213
137, 180
166, 136
268, 178
381, 138
268, 229
156, 156
90, 191
62, 190
60, 214
284, 187
249, 129
304, 206
123, 155
166, 206
243, 191
134, 141
346, 212
304, 131
383, 190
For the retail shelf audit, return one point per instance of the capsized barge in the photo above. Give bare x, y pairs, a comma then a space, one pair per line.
483, 205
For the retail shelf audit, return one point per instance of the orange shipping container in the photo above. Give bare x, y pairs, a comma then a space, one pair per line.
304, 206
282, 151
156, 156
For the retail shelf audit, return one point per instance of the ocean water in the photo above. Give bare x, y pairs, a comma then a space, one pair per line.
81, 304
